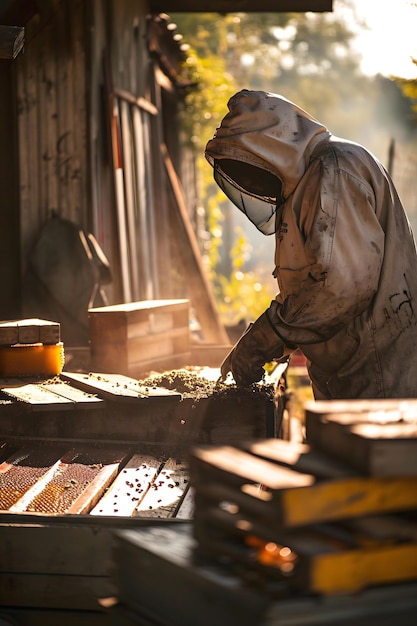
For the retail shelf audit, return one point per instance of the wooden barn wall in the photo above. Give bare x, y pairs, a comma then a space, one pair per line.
51, 96
9, 202
131, 222
94, 112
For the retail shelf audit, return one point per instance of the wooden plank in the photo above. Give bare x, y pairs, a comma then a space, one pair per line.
138, 349
29, 331
186, 508
81, 399
89, 498
122, 322
130, 197
298, 456
53, 592
52, 617
111, 389
129, 488
167, 491
133, 384
40, 398
228, 6
48, 396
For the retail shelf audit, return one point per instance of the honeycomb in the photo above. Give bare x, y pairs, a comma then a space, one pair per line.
25, 469
68, 482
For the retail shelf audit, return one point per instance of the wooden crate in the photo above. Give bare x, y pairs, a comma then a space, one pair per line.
60, 504
138, 337
99, 407
59, 564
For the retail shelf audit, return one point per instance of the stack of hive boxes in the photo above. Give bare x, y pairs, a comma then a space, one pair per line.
334, 515
30, 347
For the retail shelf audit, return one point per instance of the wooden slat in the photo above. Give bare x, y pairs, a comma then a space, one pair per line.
48, 396
229, 6
113, 390
186, 508
38, 397
80, 398
167, 491
300, 457
89, 498
54, 592
129, 488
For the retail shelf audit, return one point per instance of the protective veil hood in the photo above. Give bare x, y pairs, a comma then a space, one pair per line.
267, 131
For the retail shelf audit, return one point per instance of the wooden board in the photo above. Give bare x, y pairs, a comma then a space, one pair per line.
167, 491
118, 387
378, 443
129, 488
52, 396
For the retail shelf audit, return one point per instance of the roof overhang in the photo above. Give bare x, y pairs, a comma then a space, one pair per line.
240, 6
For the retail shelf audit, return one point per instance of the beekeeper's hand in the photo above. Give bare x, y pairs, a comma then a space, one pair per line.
258, 345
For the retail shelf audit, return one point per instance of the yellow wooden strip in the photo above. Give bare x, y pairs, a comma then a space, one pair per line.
352, 570
347, 498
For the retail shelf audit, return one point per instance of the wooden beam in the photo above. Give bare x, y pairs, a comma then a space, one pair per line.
238, 6
12, 39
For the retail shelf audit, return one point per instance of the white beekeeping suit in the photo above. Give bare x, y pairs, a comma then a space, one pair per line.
345, 259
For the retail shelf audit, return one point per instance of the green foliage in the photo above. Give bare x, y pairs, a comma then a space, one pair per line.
242, 295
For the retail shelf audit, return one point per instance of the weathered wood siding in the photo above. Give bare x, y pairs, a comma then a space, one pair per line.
52, 122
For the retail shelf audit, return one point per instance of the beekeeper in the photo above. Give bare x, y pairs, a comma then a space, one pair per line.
345, 257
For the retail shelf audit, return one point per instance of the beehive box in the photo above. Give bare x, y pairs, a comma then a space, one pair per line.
137, 337
162, 562
55, 562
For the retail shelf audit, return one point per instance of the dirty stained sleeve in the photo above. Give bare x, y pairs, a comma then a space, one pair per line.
346, 242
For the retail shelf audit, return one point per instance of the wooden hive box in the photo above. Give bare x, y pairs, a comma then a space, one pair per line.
315, 524
82, 455
137, 337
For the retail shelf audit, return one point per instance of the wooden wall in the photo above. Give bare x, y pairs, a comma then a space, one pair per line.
52, 121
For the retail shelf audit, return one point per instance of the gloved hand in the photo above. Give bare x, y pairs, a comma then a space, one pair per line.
258, 345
